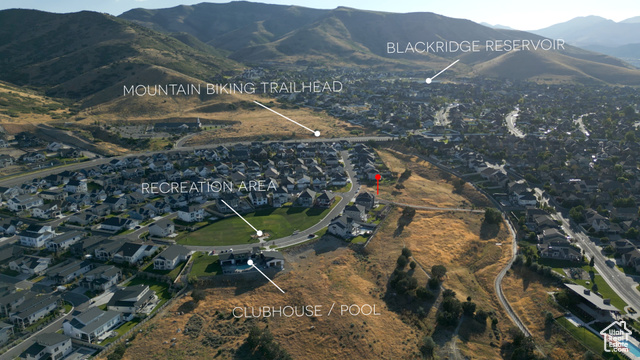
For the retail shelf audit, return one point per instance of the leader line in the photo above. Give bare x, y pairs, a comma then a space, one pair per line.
258, 232
315, 132
250, 263
429, 80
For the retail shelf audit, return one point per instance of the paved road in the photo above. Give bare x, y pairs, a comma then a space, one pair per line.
303, 235
498, 282
511, 124
622, 284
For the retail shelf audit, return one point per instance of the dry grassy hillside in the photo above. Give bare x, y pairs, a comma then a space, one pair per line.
328, 271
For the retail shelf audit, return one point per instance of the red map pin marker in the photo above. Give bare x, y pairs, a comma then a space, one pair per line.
378, 177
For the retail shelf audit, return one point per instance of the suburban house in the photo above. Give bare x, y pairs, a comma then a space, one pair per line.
91, 324
68, 271
356, 212
36, 236
171, 257
49, 346
46, 211
24, 202
132, 299
343, 227
367, 200
106, 249
10, 301
116, 224
325, 199
632, 259
191, 214
162, 228
33, 309
29, 264
83, 219
258, 198
101, 278
64, 241
8, 226
306, 198
559, 249
281, 196
116, 203
76, 186
133, 253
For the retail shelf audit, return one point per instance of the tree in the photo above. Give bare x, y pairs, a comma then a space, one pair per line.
427, 346
402, 261
468, 308
433, 283
594, 287
198, 295
406, 252
424, 293
577, 213
592, 261
458, 185
492, 216
405, 175
438, 271
548, 318
412, 265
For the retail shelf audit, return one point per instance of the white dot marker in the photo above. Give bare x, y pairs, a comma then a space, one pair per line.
259, 232
428, 80
250, 262
316, 133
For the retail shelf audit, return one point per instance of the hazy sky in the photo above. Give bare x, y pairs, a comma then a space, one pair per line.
522, 15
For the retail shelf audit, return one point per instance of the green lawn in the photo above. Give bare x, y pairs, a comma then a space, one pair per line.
161, 289
345, 188
121, 331
588, 339
359, 239
205, 265
173, 274
558, 265
605, 290
278, 222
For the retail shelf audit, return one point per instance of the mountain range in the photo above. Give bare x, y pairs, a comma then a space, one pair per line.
88, 56
619, 39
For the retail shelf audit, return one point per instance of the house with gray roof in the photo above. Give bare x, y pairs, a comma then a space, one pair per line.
92, 324
171, 257
48, 346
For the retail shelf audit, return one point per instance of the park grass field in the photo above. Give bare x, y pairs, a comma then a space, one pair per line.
277, 222
205, 265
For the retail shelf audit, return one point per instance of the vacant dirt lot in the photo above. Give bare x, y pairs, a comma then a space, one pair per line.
427, 185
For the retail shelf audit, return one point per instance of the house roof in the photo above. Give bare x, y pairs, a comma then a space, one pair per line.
92, 319
50, 339
173, 252
592, 298
124, 297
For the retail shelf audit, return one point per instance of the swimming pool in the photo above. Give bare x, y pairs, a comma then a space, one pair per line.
633, 349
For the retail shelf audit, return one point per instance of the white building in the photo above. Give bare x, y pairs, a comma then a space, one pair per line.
91, 324
49, 346
171, 257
